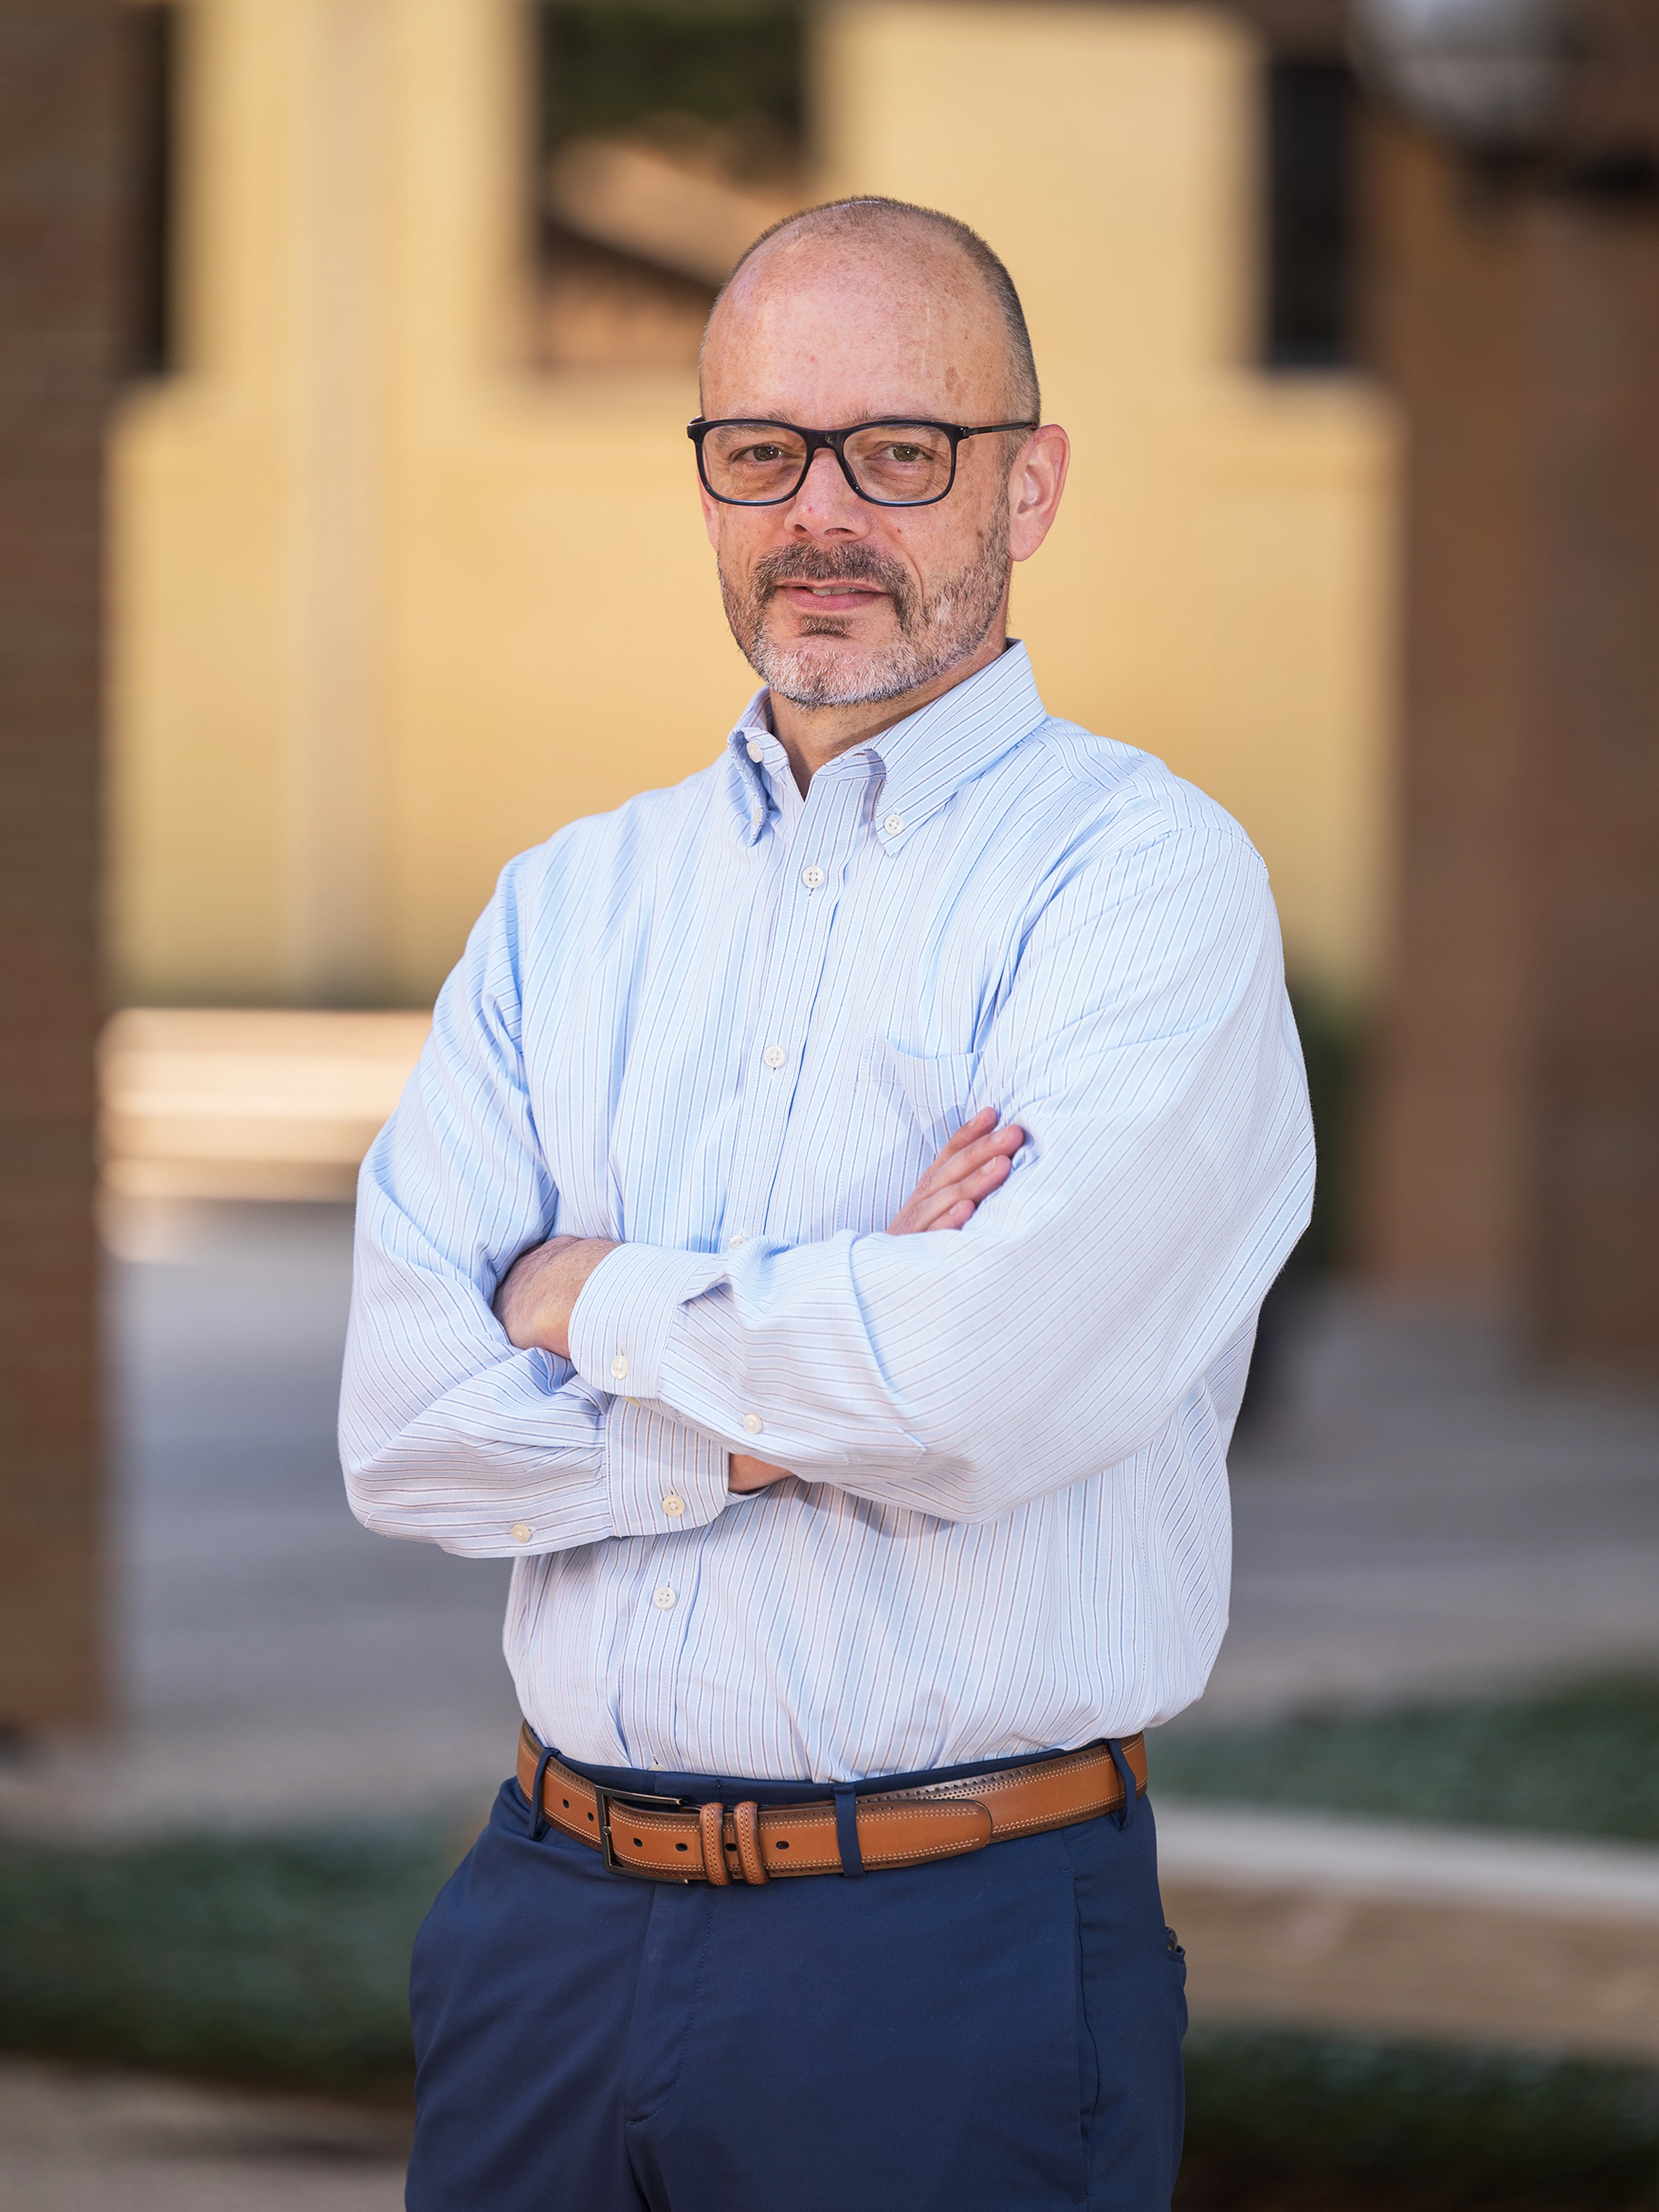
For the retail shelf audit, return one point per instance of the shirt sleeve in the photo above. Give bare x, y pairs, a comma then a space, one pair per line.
448, 1434
1147, 1048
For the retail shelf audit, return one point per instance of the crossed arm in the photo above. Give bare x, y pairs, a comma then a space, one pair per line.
1146, 1049
539, 1292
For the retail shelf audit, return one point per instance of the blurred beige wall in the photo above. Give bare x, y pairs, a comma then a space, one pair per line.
388, 607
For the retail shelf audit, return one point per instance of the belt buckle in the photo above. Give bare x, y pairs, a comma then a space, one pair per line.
606, 1799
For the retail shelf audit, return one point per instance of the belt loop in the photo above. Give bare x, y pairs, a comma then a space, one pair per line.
537, 1817
746, 1820
845, 1796
711, 1819
1125, 1775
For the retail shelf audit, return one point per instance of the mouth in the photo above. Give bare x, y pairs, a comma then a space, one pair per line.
832, 599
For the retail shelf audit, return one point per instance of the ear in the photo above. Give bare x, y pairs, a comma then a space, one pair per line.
1035, 486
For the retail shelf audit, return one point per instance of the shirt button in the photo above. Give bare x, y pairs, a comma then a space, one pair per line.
813, 877
754, 750
753, 1423
619, 1365
893, 824
733, 1242
775, 1056
673, 1504
521, 1532
664, 1599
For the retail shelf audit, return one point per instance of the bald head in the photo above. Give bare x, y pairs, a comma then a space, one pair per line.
874, 317
941, 264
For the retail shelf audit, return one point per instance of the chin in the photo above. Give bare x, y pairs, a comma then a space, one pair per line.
825, 680
813, 674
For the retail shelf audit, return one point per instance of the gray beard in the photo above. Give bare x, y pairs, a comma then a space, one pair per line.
936, 633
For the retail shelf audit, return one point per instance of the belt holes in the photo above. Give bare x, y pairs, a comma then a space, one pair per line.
781, 1843
591, 1816
683, 1847
567, 1805
639, 1844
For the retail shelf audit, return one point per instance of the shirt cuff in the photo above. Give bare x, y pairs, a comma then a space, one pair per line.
663, 1476
625, 1312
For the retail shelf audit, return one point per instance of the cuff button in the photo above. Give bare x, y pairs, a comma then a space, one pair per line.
753, 1423
619, 1365
673, 1504
521, 1532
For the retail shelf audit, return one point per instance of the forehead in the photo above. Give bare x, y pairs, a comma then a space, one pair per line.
831, 328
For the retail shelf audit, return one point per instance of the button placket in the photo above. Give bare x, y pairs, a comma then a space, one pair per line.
812, 847
658, 1608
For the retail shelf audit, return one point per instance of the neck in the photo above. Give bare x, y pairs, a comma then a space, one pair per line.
814, 736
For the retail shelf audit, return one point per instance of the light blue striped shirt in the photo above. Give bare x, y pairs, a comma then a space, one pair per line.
730, 1026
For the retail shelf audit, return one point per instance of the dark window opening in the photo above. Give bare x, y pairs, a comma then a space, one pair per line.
1309, 215
667, 137
152, 38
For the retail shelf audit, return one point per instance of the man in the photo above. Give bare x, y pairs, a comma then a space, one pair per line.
821, 1244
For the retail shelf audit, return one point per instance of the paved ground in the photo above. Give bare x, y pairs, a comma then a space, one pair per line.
1413, 1517
1532, 1942
74, 2141
276, 1660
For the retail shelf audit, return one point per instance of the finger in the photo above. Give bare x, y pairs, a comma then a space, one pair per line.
958, 1200
985, 1118
922, 1209
956, 1162
1000, 1144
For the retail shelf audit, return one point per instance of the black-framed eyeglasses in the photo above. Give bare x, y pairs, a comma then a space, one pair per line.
893, 462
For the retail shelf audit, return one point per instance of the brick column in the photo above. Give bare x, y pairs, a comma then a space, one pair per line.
1592, 1257
60, 309
1515, 1150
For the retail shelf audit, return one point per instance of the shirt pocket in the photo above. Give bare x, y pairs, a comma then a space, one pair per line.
906, 1105
934, 1088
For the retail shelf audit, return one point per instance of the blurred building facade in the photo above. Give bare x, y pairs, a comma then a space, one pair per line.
407, 568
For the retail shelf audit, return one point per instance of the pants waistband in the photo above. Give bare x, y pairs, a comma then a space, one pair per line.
724, 1789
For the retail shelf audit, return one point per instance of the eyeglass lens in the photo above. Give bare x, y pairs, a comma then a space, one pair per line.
901, 463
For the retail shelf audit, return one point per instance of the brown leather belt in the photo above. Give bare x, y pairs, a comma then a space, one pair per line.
662, 1839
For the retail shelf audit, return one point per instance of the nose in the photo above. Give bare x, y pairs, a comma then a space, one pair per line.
826, 504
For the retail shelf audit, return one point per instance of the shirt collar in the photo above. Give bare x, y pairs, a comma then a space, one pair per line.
927, 757
745, 778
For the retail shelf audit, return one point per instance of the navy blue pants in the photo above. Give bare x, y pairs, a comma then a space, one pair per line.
1001, 2030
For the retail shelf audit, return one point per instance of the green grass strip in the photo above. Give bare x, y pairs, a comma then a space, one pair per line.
1285, 2119
283, 1962
1578, 1761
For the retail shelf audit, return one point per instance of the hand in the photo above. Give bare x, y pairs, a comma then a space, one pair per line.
540, 1289
969, 1168
744, 1473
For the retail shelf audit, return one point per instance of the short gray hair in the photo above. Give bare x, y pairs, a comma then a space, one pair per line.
869, 211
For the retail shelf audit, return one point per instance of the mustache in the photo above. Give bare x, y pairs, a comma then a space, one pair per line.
828, 564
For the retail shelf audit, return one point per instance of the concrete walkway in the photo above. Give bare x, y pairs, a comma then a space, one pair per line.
87, 2140
1415, 1516
1523, 1942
